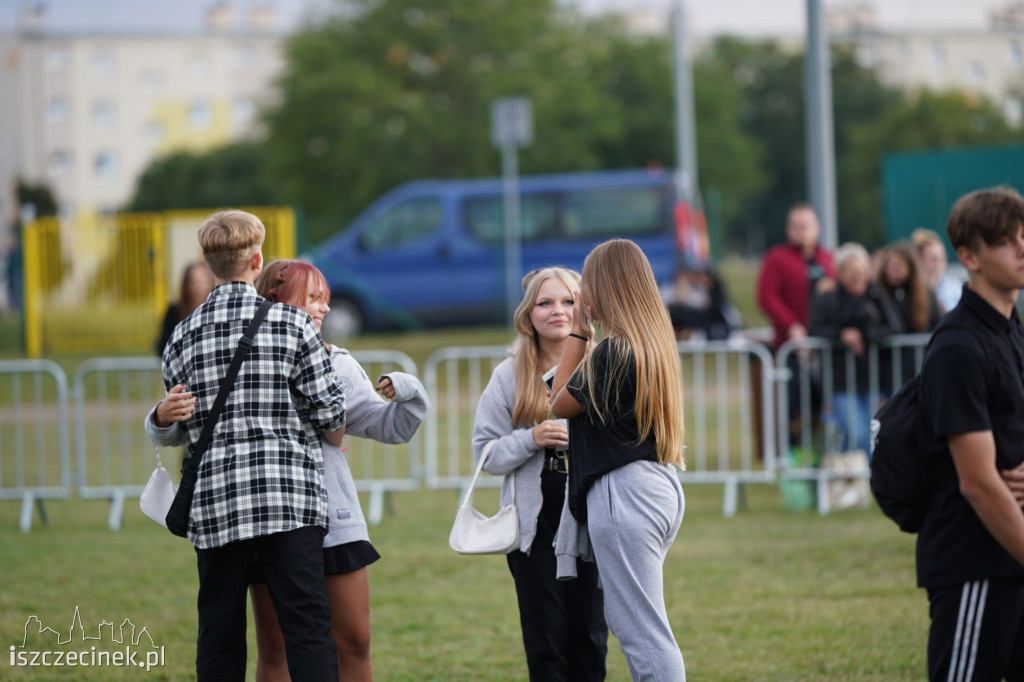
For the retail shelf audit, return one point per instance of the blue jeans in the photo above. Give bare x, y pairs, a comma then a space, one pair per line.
854, 418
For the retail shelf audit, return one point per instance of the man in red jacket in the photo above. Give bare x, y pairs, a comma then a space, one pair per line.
792, 272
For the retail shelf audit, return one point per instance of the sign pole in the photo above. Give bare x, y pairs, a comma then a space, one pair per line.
513, 246
511, 128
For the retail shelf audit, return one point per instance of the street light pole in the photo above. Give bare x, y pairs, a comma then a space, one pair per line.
686, 138
818, 134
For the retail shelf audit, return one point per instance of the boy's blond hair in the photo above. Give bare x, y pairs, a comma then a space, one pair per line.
229, 240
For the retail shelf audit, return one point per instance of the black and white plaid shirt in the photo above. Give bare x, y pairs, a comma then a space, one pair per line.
263, 471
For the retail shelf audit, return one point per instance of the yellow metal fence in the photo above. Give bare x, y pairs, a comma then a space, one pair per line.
102, 283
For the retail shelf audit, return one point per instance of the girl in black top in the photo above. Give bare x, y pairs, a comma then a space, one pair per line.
196, 285
625, 408
901, 279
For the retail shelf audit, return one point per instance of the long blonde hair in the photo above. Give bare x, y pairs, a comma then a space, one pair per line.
531, 394
623, 297
919, 307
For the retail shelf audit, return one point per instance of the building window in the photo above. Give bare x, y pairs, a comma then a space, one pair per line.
58, 109
242, 110
152, 132
57, 60
102, 65
199, 66
104, 116
976, 74
1016, 55
243, 57
1013, 111
200, 114
151, 81
105, 165
938, 57
865, 56
60, 162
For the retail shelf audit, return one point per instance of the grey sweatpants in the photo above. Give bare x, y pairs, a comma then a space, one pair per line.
634, 514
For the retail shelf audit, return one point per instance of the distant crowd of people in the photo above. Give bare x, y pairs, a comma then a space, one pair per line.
970, 547
855, 298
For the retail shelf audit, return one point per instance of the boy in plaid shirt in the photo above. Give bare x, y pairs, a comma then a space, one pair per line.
260, 490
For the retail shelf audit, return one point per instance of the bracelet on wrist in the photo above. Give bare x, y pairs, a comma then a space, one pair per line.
581, 338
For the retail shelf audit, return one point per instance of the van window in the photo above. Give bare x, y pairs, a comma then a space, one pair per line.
611, 212
485, 217
406, 222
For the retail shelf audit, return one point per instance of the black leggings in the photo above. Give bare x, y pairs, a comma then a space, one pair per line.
564, 632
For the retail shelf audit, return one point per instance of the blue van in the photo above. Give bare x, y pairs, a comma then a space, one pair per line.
431, 252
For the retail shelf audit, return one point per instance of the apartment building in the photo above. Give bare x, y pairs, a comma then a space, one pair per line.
986, 62
85, 113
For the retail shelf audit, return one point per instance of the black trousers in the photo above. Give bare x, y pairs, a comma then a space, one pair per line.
978, 631
293, 564
564, 631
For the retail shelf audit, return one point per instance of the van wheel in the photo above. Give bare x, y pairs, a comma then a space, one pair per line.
344, 321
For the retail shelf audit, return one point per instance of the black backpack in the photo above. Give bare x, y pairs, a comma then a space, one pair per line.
903, 456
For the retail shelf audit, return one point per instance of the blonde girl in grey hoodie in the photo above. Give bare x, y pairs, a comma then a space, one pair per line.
564, 631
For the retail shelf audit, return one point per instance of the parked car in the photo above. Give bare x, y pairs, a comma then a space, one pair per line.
431, 252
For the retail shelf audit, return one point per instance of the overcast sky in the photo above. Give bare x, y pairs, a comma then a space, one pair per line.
747, 17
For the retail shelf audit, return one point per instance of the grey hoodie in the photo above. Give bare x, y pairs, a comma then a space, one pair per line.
368, 415
514, 451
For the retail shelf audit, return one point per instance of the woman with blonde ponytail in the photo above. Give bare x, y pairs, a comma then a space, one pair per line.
624, 403
564, 632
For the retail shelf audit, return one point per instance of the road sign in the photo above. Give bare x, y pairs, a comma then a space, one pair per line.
511, 122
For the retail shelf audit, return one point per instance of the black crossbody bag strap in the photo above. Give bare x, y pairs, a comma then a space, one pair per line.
226, 384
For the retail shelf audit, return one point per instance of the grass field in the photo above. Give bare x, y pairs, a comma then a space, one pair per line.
767, 595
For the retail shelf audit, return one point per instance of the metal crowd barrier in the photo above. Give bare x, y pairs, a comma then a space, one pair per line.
736, 396
34, 461
725, 444
728, 441
805, 380
454, 378
380, 469
115, 456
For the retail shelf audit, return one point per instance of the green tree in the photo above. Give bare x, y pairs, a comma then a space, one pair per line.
636, 74
389, 92
731, 161
38, 195
772, 111
393, 91
233, 175
926, 121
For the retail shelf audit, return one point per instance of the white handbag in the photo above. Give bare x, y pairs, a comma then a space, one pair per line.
158, 494
474, 533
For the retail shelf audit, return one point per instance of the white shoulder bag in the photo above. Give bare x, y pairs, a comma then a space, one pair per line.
474, 533
158, 494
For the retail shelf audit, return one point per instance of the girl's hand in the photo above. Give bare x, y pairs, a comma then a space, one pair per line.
551, 434
178, 406
580, 315
852, 339
386, 388
1014, 479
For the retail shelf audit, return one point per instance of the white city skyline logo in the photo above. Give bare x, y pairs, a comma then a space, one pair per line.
127, 628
